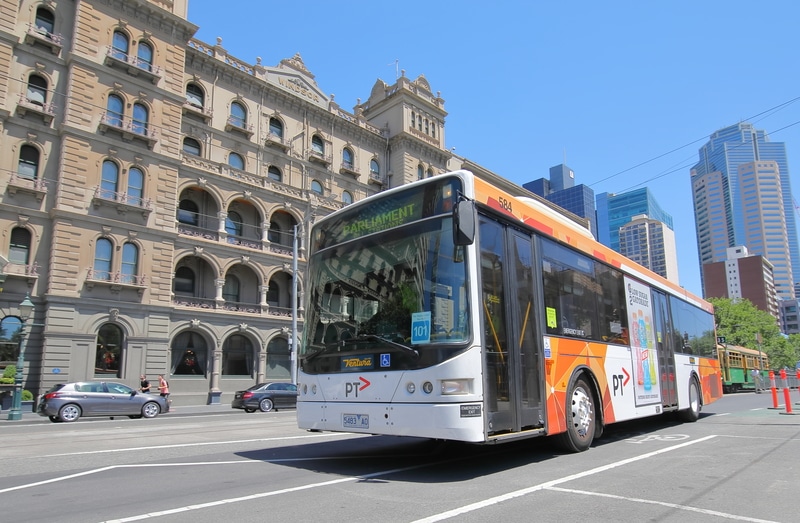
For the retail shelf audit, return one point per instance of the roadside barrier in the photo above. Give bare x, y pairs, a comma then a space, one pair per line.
787, 399
797, 375
773, 390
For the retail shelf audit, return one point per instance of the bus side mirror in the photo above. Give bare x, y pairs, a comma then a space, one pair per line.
464, 219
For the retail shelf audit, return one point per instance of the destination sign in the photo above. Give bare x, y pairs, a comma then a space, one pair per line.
387, 212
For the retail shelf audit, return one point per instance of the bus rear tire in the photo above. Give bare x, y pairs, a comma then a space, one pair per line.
581, 420
691, 414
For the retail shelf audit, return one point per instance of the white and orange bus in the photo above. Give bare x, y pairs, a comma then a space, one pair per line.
451, 309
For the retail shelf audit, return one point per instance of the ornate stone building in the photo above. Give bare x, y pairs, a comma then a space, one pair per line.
152, 185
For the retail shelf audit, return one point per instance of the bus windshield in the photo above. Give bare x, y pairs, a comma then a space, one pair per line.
392, 300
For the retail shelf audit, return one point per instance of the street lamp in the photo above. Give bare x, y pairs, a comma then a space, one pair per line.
25, 312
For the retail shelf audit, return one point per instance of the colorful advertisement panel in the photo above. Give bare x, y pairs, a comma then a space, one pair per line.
643, 344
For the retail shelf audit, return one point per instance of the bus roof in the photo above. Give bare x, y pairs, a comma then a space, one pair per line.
552, 223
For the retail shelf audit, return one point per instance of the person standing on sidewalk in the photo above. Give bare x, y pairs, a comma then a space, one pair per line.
756, 374
144, 384
163, 389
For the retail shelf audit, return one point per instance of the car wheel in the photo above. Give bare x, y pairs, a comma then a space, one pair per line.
150, 409
249, 410
69, 413
55, 419
265, 405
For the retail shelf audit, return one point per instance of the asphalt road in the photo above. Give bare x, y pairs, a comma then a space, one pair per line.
739, 462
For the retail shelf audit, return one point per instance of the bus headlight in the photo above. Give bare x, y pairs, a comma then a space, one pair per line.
411, 388
427, 387
455, 387
313, 389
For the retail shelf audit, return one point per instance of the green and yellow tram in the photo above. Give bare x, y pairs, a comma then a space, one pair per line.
737, 364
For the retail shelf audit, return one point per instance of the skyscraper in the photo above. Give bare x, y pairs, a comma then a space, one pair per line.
562, 191
650, 243
616, 210
741, 184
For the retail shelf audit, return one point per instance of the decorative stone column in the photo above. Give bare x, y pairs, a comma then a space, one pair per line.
214, 392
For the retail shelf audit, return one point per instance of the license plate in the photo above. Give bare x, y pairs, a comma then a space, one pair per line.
355, 421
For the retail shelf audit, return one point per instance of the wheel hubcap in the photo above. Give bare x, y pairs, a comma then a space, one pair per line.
582, 412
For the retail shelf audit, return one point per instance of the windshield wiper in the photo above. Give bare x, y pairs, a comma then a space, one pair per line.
414, 352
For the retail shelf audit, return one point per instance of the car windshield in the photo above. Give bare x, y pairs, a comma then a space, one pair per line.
402, 293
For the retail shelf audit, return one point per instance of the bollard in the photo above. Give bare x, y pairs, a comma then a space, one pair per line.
786, 398
773, 390
798, 384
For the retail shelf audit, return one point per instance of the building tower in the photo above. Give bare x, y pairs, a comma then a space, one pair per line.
616, 210
561, 190
726, 206
650, 243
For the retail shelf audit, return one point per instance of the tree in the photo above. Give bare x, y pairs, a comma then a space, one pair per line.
741, 323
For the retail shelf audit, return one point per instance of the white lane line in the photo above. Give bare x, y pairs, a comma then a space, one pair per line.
199, 444
522, 492
663, 504
220, 502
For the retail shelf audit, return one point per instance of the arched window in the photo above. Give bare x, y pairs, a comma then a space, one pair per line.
189, 354
28, 166
316, 187
140, 118
317, 145
374, 167
236, 161
278, 359
37, 90
276, 234
237, 356
347, 198
183, 283
144, 56
102, 259
276, 127
114, 110
188, 212
195, 95
191, 146
233, 223
9, 338
109, 353
109, 183
273, 294
19, 248
420, 172
430, 172
119, 46
45, 21
347, 158
238, 115
135, 185
130, 263
273, 173
230, 291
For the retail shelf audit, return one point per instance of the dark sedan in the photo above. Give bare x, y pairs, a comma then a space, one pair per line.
70, 401
266, 397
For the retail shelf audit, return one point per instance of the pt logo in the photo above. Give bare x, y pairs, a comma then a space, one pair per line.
354, 387
618, 381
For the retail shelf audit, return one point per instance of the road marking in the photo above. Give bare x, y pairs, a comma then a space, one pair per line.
260, 495
522, 492
199, 444
663, 504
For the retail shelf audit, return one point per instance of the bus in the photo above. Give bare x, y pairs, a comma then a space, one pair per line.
451, 309
737, 364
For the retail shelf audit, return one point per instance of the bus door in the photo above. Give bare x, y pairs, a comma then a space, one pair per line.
511, 350
665, 349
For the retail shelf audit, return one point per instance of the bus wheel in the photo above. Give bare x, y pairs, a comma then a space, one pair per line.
580, 418
691, 414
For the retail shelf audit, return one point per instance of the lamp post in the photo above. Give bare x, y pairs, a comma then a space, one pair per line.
25, 312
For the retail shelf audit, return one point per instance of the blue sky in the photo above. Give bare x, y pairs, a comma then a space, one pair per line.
624, 92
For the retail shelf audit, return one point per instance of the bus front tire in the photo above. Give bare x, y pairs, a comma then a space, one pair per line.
691, 414
581, 421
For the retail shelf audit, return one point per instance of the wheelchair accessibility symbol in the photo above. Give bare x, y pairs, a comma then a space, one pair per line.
386, 360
